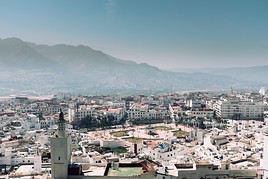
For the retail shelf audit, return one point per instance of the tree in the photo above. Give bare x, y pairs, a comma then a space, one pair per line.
86, 122
201, 123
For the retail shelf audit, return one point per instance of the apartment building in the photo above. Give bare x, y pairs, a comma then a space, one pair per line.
139, 111
201, 113
237, 109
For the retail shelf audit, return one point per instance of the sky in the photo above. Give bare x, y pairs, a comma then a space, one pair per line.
168, 34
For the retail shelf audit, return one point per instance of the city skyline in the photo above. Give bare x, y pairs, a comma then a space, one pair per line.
157, 89
174, 34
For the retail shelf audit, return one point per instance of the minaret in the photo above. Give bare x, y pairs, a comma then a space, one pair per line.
61, 125
60, 151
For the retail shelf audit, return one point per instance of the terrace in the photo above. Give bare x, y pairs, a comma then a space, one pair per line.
180, 133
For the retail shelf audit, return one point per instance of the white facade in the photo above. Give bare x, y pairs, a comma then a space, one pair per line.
201, 113
81, 113
198, 135
52, 109
161, 154
20, 158
47, 122
194, 103
239, 109
112, 143
142, 112
37, 164
136, 148
5, 157
33, 122
118, 113
203, 171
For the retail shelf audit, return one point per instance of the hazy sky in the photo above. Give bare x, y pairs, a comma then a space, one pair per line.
165, 33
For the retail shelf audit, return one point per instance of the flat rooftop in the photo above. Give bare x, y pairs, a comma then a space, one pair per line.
125, 171
95, 171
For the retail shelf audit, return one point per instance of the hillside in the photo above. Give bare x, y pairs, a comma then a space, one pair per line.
66, 68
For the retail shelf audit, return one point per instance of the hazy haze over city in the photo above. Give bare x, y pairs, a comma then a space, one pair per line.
170, 35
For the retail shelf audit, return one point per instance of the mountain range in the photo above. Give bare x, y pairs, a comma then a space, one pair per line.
30, 67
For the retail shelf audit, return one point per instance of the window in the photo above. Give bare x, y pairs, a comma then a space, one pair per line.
58, 158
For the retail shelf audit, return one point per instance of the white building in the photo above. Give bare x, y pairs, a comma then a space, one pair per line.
52, 109
5, 155
33, 122
161, 153
201, 113
198, 135
118, 113
112, 143
203, 170
235, 109
95, 111
81, 113
194, 103
46, 122
137, 112
143, 112
136, 147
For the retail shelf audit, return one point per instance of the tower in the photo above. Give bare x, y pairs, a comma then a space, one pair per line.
60, 151
61, 126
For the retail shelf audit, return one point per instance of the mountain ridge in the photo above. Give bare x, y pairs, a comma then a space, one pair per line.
251, 73
69, 68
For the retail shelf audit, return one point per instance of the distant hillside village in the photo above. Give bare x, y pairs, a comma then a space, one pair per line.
180, 135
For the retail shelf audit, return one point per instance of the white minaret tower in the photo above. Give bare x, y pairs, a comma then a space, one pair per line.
60, 151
